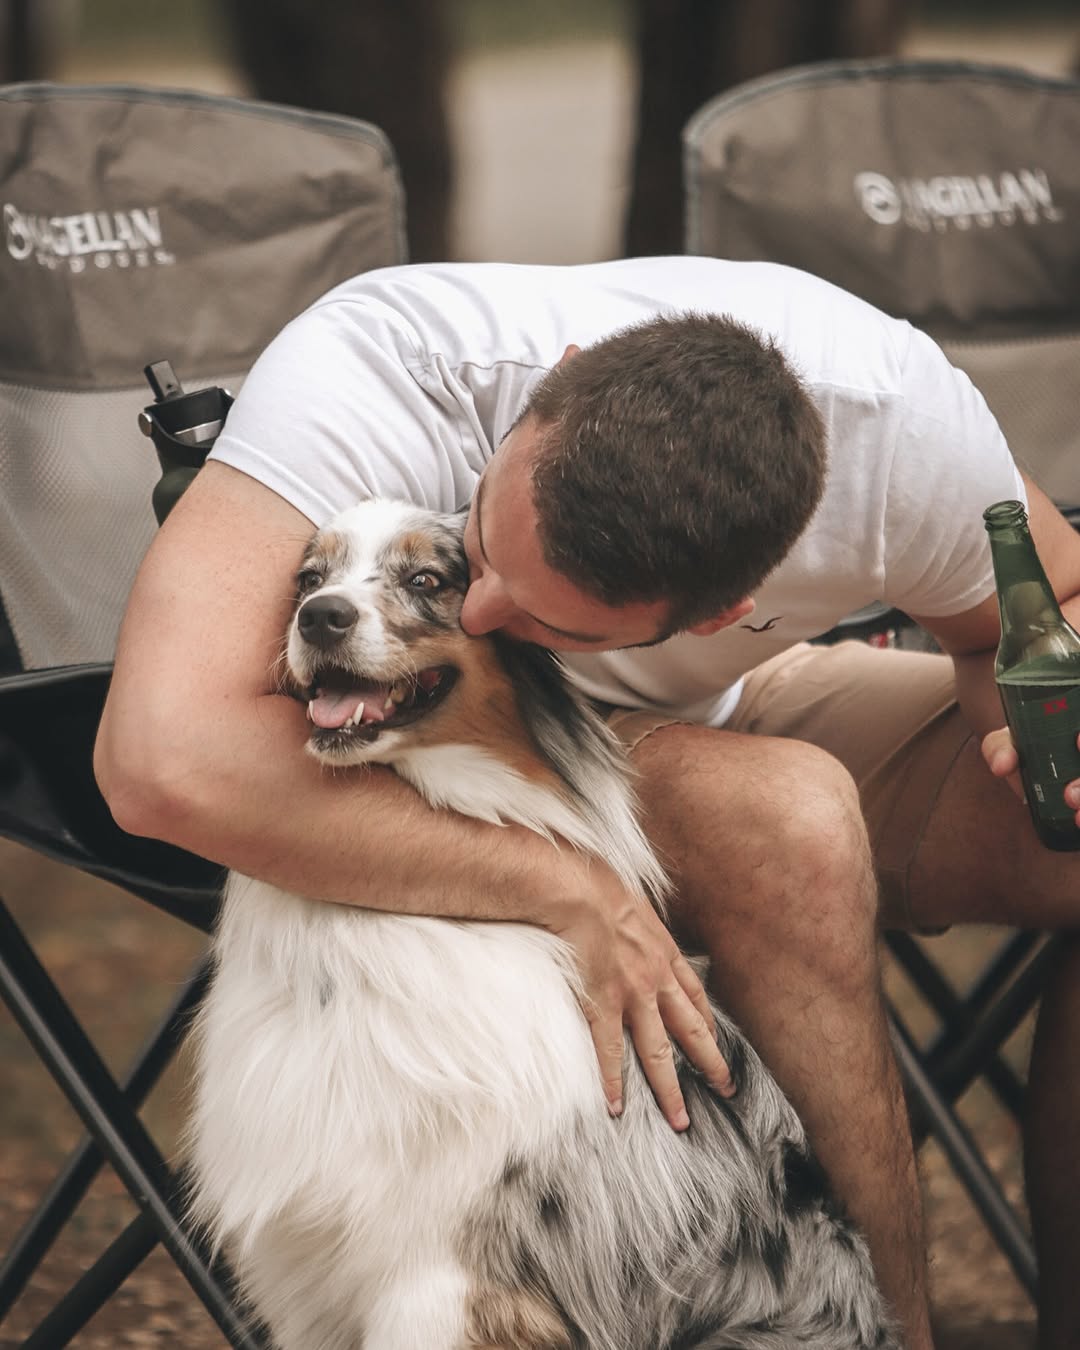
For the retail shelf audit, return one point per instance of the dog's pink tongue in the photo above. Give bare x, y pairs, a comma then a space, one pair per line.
330, 709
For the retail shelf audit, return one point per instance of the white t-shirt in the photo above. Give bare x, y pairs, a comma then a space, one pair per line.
402, 382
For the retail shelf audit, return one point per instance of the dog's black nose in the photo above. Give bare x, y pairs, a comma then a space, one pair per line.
325, 619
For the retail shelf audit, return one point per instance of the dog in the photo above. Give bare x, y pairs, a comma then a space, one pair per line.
399, 1135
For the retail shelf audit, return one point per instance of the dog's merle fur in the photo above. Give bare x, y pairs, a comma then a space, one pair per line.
468, 1189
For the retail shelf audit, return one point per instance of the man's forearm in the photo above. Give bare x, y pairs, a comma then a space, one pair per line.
259, 804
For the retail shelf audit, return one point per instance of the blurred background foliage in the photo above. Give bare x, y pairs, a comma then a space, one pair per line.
196, 27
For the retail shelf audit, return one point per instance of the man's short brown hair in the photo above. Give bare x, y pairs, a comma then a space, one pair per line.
679, 460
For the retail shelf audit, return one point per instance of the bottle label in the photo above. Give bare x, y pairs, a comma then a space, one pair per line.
1044, 720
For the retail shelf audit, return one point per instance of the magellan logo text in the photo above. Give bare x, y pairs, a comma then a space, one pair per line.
101, 239
958, 201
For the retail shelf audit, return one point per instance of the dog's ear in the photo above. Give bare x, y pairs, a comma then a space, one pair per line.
450, 543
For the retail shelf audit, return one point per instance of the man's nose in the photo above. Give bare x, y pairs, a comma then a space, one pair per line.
486, 607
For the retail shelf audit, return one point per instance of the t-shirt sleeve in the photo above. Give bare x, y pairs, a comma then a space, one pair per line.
334, 412
950, 462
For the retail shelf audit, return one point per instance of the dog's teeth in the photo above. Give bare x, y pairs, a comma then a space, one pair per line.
354, 720
388, 704
310, 715
398, 693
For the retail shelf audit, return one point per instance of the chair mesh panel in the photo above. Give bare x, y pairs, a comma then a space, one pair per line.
75, 516
1031, 385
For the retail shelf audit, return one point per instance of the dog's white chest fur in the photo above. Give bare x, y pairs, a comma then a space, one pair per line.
365, 1077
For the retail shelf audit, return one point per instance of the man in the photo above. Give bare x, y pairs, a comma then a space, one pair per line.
676, 507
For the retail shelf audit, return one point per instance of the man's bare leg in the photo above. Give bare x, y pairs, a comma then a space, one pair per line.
980, 860
770, 857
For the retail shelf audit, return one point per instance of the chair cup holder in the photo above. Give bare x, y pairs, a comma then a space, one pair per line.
183, 428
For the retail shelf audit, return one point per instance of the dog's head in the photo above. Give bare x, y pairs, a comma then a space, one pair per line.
375, 645
376, 650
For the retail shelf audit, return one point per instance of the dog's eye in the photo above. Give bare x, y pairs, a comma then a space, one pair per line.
308, 580
425, 581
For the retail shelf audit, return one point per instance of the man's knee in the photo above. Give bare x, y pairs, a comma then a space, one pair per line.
765, 837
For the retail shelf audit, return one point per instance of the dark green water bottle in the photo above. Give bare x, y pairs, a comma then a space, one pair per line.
1038, 675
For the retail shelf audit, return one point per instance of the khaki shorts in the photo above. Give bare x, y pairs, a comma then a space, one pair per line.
889, 716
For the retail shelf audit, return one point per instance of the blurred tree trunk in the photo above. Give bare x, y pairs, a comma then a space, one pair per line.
690, 50
381, 60
21, 57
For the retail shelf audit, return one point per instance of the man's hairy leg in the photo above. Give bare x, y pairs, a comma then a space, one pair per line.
981, 861
769, 853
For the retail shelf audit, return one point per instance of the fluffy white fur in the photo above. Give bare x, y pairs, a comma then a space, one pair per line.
399, 1134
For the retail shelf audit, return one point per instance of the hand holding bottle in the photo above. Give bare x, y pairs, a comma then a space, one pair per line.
1038, 677
1002, 760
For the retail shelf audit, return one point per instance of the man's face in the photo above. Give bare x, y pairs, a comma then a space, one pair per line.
513, 589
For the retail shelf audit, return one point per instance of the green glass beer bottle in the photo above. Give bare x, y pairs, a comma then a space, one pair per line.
1038, 675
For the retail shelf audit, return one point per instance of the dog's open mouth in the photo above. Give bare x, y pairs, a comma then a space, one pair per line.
341, 705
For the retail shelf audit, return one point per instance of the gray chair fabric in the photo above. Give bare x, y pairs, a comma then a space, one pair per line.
945, 193
141, 225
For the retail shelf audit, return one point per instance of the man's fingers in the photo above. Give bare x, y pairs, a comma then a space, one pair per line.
697, 1037
999, 753
695, 1028
1002, 760
648, 986
694, 990
607, 1035
653, 1048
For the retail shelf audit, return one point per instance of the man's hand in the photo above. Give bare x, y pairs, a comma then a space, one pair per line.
1001, 758
636, 977
1003, 762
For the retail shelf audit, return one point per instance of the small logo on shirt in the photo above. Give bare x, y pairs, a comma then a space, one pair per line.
765, 627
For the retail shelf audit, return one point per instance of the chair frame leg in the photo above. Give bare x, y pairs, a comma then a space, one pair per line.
41, 1229
959, 1054
993, 978
966, 1161
62, 1045
956, 1069
95, 1286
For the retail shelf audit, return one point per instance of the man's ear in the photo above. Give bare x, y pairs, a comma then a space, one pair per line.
569, 354
724, 619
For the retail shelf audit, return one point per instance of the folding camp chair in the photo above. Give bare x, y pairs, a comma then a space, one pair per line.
947, 194
139, 225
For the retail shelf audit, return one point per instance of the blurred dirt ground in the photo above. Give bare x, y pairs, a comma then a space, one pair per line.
119, 963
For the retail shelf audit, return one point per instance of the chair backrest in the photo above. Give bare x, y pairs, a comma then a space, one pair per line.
141, 225
944, 193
